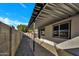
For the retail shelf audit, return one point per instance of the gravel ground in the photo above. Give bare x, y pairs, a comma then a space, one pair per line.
24, 48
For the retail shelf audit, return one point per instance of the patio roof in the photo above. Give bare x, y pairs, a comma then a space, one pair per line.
53, 12
37, 9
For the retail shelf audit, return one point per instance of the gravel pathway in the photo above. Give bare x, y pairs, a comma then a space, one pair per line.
24, 48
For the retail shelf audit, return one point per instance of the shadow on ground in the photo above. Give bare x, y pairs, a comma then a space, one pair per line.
24, 47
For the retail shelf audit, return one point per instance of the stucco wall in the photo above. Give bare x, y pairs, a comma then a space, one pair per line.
75, 26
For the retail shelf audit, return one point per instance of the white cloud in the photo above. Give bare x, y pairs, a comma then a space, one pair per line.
11, 22
22, 5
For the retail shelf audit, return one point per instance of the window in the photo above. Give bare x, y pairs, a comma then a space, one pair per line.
62, 30
55, 31
43, 31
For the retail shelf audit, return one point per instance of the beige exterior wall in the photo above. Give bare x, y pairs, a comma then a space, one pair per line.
75, 26
44, 37
48, 32
74, 29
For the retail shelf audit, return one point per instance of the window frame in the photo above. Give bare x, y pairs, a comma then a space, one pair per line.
42, 31
56, 30
59, 25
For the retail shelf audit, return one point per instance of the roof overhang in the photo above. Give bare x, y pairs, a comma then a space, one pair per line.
53, 12
36, 11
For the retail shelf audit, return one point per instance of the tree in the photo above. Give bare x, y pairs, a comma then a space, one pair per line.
21, 28
26, 28
12, 27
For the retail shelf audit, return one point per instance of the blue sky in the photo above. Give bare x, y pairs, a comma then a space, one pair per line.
16, 13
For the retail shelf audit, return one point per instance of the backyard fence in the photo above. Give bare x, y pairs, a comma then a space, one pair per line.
9, 40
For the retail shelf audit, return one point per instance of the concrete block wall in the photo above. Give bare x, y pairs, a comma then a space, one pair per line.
4, 39
16, 38
9, 40
13, 44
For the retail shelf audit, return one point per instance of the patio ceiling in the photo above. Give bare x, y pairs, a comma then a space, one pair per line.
36, 11
53, 12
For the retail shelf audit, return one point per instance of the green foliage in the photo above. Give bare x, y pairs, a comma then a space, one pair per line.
30, 31
21, 27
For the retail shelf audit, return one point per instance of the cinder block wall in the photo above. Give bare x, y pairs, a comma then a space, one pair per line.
4, 39
15, 41
9, 40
